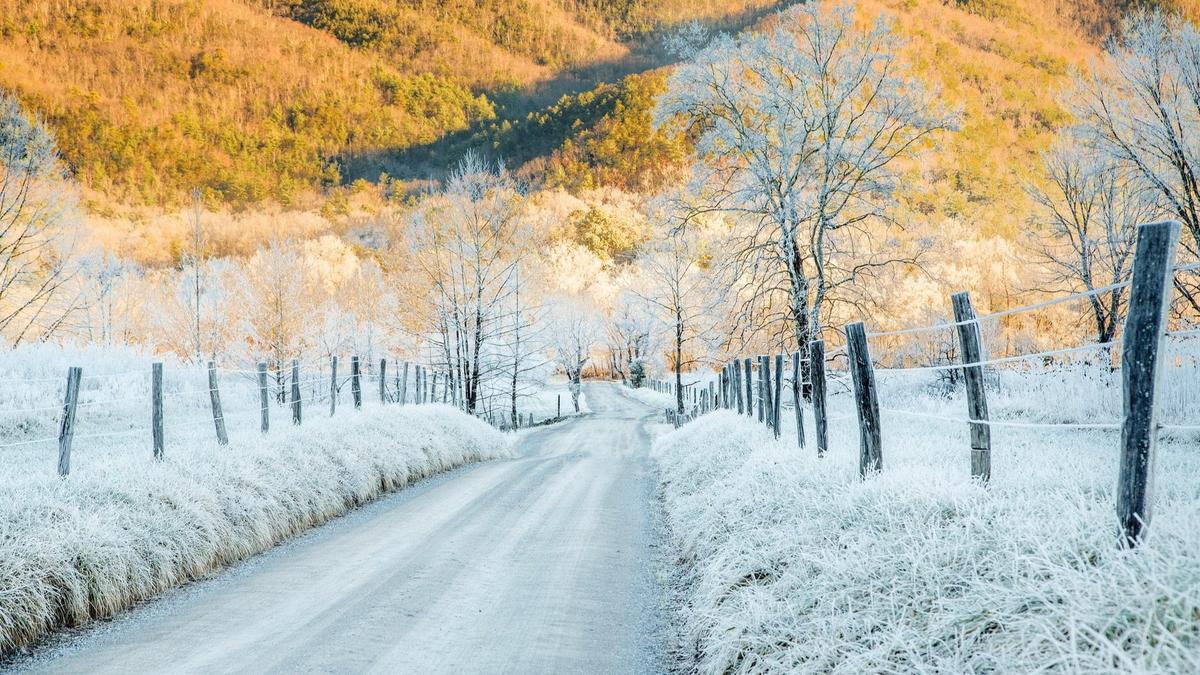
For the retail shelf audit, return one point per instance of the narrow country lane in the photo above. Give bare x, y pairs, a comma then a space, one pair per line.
540, 564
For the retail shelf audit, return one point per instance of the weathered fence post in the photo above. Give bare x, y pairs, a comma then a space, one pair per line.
764, 388
156, 407
214, 398
383, 380
776, 399
971, 348
404, 385
558, 415
737, 383
355, 384
759, 392
1141, 348
816, 374
297, 411
264, 398
862, 372
333, 388
748, 372
66, 426
433, 388
796, 371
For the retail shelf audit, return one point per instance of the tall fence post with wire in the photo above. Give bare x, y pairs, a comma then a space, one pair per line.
862, 374
66, 427
1141, 351
214, 399
971, 351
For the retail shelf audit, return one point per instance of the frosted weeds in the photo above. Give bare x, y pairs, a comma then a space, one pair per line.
792, 564
128, 528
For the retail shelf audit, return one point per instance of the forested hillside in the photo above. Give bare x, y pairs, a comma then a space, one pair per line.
257, 101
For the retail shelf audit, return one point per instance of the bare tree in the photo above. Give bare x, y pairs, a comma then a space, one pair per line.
467, 246
35, 200
799, 129
629, 329
1141, 108
676, 294
1091, 208
572, 331
193, 262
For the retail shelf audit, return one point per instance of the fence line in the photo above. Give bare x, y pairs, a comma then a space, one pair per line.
294, 389
1141, 343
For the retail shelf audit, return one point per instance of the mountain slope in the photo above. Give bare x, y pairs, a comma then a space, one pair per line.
255, 100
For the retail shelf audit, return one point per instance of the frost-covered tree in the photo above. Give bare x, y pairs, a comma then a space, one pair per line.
466, 246
572, 332
1141, 108
35, 204
677, 295
278, 305
630, 332
799, 132
1090, 209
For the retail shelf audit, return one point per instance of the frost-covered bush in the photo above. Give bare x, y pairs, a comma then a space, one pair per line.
123, 527
793, 564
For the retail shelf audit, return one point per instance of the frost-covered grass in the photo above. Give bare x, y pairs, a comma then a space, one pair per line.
654, 399
122, 527
792, 564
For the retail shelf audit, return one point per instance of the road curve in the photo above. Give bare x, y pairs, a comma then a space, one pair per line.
540, 564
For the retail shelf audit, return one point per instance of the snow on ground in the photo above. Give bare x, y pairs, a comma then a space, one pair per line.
792, 564
544, 403
543, 563
654, 399
123, 527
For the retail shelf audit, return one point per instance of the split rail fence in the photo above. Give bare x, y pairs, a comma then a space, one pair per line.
754, 386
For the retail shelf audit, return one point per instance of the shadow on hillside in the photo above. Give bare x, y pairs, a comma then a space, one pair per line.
506, 137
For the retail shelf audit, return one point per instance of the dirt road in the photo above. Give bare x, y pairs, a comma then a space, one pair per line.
540, 564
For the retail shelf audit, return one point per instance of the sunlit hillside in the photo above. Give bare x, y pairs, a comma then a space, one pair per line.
256, 101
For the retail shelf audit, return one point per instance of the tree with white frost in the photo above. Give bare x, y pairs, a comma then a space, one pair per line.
799, 133
35, 202
1140, 107
467, 245
572, 331
1090, 208
677, 295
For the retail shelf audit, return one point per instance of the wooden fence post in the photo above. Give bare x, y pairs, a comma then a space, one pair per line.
264, 398
816, 374
156, 407
796, 371
383, 380
971, 349
433, 388
737, 384
355, 384
862, 372
66, 426
214, 398
776, 399
1141, 351
764, 388
333, 388
759, 392
297, 411
404, 385
748, 372
558, 415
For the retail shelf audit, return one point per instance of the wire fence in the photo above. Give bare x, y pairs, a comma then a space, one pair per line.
288, 387
755, 386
